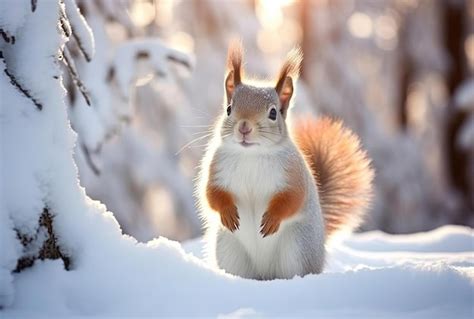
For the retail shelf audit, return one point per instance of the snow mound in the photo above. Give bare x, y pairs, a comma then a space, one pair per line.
418, 276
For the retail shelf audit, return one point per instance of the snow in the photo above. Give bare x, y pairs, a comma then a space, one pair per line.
163, 278
422, 275
26, 165
154, 50
13, 16
82, 33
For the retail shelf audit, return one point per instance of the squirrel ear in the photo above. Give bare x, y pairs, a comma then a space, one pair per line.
234, 65
230, 84
288, 73
285, 92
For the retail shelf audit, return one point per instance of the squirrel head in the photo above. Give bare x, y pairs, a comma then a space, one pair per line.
255, 115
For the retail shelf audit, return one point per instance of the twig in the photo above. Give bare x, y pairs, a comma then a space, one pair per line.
179, 60
80, 46
89, 160
65, 26
33, 5
69, 62
15, 83
6, 37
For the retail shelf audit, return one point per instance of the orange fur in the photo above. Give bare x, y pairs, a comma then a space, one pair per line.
234, 66
288, 73
222, 202
341, 169
234, 58
283, 204
291, 67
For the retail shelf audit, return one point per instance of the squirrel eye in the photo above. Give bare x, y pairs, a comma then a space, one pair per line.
273, 114
228, 110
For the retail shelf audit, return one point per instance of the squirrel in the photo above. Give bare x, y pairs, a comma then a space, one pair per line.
271, 196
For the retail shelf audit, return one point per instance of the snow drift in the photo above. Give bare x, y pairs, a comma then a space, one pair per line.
425, 275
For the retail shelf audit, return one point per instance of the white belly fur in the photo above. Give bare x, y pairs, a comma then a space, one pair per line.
253, 180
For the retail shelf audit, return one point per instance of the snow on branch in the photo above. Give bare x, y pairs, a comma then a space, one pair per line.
69, 62
15, 83
64, 22
90, 162
155, 51
12, 18
81, 32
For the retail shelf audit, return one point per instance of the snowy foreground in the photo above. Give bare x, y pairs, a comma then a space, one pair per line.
425, 275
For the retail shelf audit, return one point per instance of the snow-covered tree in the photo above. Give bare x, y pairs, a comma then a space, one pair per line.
44, 212
142, 170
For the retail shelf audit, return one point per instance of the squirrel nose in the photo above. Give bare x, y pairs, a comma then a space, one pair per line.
244, 128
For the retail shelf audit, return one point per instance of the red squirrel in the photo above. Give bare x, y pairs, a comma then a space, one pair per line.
271, 196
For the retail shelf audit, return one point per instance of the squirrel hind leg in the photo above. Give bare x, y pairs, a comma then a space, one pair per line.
232, 257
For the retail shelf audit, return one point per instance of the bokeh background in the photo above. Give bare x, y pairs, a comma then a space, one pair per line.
398, 72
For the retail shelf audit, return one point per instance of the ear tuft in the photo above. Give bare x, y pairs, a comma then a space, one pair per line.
288, 73
234, 67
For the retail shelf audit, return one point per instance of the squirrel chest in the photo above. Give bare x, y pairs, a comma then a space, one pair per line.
252, 179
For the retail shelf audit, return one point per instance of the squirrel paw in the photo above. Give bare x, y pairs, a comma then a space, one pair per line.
230, 218
270, 224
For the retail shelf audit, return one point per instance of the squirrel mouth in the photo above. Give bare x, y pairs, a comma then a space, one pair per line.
245, 143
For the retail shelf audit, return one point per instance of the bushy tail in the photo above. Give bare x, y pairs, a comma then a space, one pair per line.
341, 169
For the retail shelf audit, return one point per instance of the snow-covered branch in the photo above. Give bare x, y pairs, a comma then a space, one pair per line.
80, 30
154, 51
16, 84
69, 62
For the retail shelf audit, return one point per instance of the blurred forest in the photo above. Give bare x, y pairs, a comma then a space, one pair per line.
398, 72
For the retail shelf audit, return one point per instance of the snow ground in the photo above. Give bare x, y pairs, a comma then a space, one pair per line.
425, 275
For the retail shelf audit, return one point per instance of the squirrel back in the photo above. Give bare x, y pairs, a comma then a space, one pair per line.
340, 168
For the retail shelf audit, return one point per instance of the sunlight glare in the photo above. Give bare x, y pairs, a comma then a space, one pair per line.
386, 30
269, 12
142, 13
360, 25
182, 41
469, 48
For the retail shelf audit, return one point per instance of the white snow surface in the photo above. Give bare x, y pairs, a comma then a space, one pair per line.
426, 275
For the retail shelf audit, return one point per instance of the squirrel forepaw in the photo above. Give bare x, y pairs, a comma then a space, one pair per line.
230, 218
269, 225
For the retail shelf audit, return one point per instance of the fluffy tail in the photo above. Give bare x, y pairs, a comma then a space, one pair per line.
341, 169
